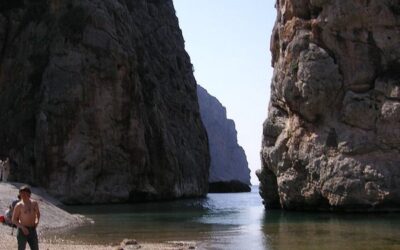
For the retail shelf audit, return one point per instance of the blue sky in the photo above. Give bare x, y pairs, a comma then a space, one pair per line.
228, 43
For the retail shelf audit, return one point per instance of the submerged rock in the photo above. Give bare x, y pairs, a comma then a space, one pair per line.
98, 101
229, 171
332, 138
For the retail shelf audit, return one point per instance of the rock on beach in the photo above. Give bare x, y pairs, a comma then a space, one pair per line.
54, 218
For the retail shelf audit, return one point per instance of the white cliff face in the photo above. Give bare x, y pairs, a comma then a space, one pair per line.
228, 159
331, 140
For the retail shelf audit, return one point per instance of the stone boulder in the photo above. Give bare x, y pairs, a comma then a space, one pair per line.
229, 171
98, 101
332, 137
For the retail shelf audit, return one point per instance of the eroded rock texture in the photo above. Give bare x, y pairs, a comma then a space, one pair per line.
98, 101
229, 170
332, 137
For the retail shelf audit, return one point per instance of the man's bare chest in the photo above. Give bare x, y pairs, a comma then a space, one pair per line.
28, 210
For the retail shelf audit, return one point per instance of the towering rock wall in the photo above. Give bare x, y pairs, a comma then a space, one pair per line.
332, 138
228, 160
98, 101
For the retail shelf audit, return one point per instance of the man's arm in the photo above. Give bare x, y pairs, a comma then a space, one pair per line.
15, 219
15, 215
37, 214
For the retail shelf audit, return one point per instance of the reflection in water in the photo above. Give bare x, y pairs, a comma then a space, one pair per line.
235, 221
295, 230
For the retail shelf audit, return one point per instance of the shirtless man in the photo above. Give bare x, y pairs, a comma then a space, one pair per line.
26, 217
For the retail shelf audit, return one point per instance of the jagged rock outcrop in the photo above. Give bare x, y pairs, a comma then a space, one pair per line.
332, 138
229, 171
98, 101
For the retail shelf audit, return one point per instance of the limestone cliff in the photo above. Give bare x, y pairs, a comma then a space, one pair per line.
229, 169
332, 138
98, 101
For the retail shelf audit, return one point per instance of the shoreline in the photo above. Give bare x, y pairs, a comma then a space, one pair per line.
8, 241
54, 218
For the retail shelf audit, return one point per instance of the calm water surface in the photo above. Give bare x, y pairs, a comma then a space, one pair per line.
236, 221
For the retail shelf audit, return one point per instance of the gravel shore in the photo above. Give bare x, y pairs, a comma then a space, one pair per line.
9, 242
54, 218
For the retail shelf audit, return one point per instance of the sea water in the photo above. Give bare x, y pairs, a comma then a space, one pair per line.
235, 221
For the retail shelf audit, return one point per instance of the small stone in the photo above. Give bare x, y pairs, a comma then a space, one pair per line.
127, 242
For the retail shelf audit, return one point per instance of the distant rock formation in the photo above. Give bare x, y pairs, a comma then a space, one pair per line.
332, 137
229, 187
229, 170
98, 101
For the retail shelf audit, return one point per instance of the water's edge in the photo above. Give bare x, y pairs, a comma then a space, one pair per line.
234, 221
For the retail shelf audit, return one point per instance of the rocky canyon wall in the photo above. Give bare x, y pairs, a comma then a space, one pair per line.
98, 101
331, 140
229, 169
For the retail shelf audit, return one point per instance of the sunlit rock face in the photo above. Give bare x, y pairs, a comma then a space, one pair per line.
331, 140
229, 171
98, 101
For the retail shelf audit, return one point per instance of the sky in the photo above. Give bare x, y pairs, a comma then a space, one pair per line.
228, 43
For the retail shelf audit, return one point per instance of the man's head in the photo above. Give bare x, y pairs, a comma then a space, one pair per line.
25, 191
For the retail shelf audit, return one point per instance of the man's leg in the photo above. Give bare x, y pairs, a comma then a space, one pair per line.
21, 239
33, 239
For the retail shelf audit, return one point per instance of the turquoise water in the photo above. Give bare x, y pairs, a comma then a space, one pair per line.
236, 221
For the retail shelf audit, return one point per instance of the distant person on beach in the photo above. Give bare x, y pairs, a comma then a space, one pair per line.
4, 169
10, 210
1, 170
26, 217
